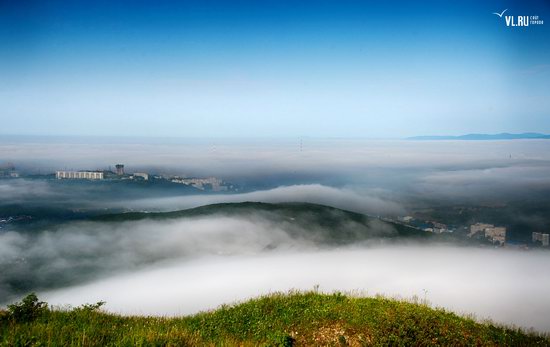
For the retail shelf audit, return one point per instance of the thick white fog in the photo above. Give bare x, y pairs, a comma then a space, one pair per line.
80, 251
363, 201
386, 174
251, 158
186, 265
348, 199
395, 171
508, 286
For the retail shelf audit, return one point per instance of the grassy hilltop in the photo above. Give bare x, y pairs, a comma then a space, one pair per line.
294, 319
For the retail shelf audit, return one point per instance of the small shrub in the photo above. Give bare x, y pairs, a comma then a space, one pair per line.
90, 307
27, 310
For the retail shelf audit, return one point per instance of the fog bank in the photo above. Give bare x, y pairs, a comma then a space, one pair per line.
412, 167
369, 202
507, 286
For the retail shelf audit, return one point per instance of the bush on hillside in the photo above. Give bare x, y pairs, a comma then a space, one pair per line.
27, 310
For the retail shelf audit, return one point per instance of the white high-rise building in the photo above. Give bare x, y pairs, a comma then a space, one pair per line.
79, 175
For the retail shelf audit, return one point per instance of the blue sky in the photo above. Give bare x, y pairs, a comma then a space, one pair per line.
272, 68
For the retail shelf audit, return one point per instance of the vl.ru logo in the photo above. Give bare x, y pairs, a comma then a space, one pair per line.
519, 21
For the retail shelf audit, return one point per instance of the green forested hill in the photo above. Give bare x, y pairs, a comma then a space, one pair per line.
327, 224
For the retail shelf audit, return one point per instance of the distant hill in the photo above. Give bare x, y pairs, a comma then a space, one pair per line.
501, 136
311, 224
322, 224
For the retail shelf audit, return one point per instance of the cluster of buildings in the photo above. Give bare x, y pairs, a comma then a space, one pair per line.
430, 226
481, 231
495, 234
209, 183
11, 219
439, 228
544, 239
206, 184
491, 232
7, 170
101, 174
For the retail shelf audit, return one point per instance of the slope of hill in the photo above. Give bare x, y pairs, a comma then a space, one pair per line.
294, 319
324, 224
501, 136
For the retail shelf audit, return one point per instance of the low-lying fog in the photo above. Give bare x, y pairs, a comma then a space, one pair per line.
186, 265
507, 286
458, 170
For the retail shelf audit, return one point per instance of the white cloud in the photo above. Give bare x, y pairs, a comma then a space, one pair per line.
507, 286
343, 198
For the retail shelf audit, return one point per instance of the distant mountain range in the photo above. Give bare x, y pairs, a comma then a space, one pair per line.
502, 136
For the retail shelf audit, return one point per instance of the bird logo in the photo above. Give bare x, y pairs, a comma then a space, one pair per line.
501, 13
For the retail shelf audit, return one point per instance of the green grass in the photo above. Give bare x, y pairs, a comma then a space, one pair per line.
293, 319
